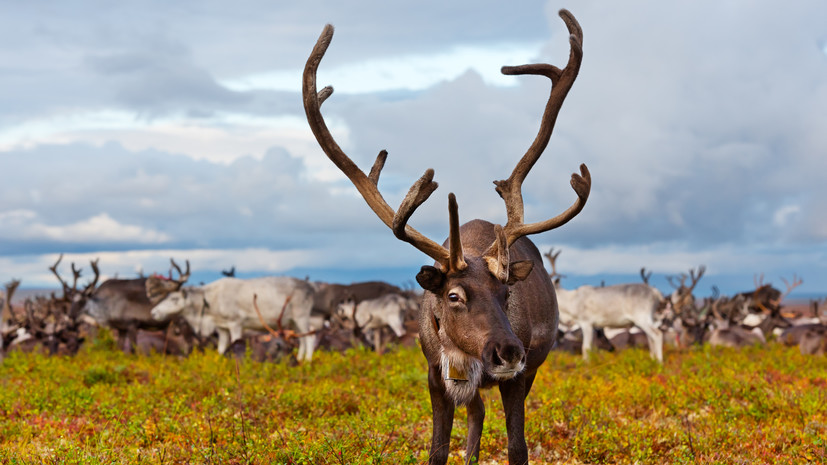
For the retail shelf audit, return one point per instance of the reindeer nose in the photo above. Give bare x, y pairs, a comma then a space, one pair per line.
503, 356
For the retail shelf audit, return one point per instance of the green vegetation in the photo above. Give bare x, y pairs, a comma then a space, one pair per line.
758, 405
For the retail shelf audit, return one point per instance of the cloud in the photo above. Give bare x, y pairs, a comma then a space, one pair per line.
26, 226
408, 72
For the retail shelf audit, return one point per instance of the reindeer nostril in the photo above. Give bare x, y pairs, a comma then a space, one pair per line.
495, 358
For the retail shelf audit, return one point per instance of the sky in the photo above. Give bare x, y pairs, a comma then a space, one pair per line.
136, 132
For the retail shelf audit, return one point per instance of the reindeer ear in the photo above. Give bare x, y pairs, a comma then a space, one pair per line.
518, 271
430, 278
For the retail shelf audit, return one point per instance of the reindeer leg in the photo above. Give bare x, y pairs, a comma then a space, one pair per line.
223, 340
513, 392
443, 415
588, 338
132, 336
476, 416
123, 341
377, 340
654, 337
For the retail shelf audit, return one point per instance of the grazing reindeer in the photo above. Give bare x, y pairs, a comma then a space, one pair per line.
489, 313
375, 314
573, 340
618, 306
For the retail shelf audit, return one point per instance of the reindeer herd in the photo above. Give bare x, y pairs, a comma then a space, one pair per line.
638, 315
273, 316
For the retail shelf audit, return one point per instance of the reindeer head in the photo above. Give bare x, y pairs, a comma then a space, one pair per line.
158, 286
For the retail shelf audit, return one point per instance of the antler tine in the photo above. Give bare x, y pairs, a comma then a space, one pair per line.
790, 286
644, 275
53, 269
376, 169
695, 278
758, 280
75, 277
182, 276
7, 312
91, 286
366, 185
511, 189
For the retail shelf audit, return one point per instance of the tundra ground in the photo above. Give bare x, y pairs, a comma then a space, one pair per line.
756, 405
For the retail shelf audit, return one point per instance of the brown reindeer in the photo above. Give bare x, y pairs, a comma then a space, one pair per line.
125, 305
489, 312
58, 322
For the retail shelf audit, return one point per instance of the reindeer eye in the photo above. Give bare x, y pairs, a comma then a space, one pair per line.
454, 297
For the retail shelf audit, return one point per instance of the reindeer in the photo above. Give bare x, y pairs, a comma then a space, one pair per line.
806, 331
125, 305
618, 306
54, 323
376, 314
766, 305
689, 321
572, 340
683, 299
726, 329
489, 313
68, 311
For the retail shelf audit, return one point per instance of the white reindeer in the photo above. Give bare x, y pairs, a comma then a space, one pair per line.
618, 306
374, 314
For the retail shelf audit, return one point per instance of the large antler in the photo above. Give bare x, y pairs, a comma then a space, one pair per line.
182, 276
70, 291
66, 289
511, 189
695, 277
552, 259
7, 313
367, 184
90, 286
790, 286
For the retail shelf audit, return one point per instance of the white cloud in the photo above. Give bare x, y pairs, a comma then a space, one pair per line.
784, 215
405, 72
101, 228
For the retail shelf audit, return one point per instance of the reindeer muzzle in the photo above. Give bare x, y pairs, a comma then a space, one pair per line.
503, 359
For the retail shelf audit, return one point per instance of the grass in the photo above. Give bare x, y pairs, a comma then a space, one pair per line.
757, 405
